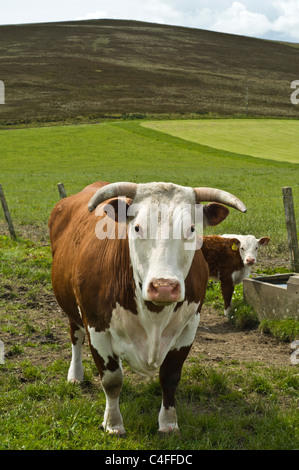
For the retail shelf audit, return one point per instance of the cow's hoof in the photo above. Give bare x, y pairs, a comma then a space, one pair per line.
118, 432
74, 381
166, 430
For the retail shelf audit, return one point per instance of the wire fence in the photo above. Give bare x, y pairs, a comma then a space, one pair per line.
284, 218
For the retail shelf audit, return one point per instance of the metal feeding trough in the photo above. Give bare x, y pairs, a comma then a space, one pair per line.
275, 297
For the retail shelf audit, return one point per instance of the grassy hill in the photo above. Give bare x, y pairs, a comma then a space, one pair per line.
89, 69
34, 160
274, 139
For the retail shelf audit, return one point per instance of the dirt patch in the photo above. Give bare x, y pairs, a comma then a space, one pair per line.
218, 340
42, 334
35, 233
33, 329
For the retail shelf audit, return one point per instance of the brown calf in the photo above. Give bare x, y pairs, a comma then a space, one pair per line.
230, 258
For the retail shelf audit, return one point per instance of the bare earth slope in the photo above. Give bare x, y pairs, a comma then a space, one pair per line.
70, 70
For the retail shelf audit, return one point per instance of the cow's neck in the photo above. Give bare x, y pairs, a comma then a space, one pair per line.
163, 325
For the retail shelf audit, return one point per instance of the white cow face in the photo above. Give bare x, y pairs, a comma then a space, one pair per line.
249, 246
161, 230
162, 239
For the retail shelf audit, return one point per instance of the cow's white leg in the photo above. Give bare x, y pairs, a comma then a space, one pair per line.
228, 310
168, 419
109, 366
112, 383
76, 370
227, 288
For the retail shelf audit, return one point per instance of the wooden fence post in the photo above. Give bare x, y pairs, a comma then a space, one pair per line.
61, 190
7, 214
291, 227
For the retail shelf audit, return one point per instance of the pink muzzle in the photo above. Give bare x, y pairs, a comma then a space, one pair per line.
164, 291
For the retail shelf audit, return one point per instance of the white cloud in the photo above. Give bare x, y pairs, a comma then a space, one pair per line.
238, 20
277, 19
288, 21
96, 15
156, 11
249, 18
161, 11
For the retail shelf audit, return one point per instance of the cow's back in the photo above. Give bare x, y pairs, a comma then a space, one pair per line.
88, 271
220, 256
68, 214
66, 223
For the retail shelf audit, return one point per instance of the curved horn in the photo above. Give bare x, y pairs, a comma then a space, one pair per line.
218, 195
112, 190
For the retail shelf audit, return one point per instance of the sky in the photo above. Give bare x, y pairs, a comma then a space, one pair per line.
277, 20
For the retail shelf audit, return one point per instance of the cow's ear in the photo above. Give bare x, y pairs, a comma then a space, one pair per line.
214, 213
264, 241
234, 243
120, 208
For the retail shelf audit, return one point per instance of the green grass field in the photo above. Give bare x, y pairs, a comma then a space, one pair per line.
275, 139
226, 404
34, 160
223, 404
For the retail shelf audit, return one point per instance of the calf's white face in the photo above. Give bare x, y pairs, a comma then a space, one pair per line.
249, 246
162, 241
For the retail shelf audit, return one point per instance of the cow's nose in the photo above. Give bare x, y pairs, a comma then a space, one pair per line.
164, 291
250, 261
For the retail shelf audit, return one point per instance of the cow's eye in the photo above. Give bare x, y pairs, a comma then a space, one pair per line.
190, 232
138, 231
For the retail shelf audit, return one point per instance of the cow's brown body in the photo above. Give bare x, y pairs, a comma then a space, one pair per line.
87, 272
223, 261
230, 258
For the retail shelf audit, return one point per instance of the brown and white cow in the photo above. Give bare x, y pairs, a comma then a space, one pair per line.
136, 297
230, 258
